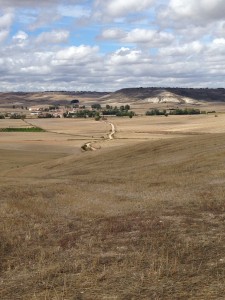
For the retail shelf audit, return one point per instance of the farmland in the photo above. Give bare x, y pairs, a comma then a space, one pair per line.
140, 218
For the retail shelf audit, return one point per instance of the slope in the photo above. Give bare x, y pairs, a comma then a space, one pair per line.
141, 222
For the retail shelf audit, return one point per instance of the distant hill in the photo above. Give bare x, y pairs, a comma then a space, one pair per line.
163, 95
126, 95
48, 97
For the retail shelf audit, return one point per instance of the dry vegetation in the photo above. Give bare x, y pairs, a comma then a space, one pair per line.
140, 222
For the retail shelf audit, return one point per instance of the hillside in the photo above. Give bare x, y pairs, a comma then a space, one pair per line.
174, 95
127, 95
140, 222
42, 98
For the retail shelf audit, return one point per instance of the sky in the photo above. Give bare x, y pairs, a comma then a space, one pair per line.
105, 45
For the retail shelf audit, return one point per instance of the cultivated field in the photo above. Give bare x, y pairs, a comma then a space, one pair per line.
65, 136
140, 218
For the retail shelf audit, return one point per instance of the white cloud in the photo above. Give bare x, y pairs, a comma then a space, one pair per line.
112, 9
124, 56
112, 34
74, 11
53, 37
192, 48
217, 48
78, 55
197, 12
34, 3
3, 35
21, 35
6, 20
151, 37
21, 39
44, 18
5, 23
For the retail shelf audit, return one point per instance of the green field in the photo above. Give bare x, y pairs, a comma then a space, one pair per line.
23, 129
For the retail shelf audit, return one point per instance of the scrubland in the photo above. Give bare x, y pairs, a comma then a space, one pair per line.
142, 220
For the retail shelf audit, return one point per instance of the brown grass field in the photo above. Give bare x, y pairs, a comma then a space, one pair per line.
141, 218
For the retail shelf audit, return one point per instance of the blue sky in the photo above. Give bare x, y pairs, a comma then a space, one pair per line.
107, 45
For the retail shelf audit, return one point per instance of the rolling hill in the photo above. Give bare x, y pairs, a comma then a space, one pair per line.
127, 95
167, 95
140, 222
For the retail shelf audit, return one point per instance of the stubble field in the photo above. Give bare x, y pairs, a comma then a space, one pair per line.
140, 218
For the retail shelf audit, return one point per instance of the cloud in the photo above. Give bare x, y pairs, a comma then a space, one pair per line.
196, 12
34, 3
5, 24
74, 11
6, 20
53, 37
75, 55
85, 67
185, 50
112, 9
124, 56
149, 42
20, 36
151, 37
3, 35
112, 34
44, 18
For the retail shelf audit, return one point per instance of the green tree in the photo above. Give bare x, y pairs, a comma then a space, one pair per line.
96, 106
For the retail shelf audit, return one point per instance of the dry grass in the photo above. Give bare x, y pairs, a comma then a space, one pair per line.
145, 222
62, 136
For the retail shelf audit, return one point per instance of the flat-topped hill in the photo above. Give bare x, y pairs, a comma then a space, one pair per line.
163, 95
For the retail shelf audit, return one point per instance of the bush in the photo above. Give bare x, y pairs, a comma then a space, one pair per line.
75, 101
96, 106
23, 129
178, 111
17, 116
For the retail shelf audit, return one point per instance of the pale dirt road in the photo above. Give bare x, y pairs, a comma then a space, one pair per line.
89, 145
113, 131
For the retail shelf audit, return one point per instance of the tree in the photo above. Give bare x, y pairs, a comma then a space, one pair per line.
75, 101
96, 106
131, 114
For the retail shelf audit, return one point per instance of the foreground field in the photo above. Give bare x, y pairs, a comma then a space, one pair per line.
140, 222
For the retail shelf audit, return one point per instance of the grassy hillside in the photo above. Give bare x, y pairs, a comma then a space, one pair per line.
141, 222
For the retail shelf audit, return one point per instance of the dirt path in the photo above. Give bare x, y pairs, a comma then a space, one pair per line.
88, 146
113, 131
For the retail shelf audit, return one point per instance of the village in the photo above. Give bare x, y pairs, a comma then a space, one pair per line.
72, 110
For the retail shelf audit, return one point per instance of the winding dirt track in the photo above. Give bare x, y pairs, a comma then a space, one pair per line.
88, 146
113, 131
